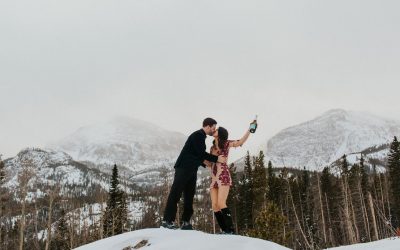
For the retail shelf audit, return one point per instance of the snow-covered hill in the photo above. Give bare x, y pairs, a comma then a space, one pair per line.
125, 141
164, 239
48, 168
321, 141
386, 244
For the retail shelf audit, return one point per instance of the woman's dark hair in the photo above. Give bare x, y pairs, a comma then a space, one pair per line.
222, 137
209, 122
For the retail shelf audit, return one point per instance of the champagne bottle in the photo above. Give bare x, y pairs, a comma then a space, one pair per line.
253, 125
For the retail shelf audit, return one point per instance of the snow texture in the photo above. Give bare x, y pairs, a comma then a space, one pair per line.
159, 238
386, 244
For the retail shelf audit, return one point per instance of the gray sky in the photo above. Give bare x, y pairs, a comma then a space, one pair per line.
66, 64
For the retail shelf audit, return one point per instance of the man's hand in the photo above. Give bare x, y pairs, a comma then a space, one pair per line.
207, 163
221, 159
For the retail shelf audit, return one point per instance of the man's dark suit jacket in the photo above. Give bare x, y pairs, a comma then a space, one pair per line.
194, 152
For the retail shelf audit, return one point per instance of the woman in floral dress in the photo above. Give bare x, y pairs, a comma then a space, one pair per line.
221, 178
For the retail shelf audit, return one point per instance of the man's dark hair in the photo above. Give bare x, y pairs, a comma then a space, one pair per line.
209, 122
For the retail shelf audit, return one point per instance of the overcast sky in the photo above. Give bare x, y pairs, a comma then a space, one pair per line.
66, 64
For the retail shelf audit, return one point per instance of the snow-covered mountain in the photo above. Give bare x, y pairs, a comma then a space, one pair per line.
125, 141
48, 168
161, 239
323, 140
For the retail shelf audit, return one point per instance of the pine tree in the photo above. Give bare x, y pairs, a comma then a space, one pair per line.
347, 202
116, 211
364, 177
269, 225
344, 165
365, 189
2, 171
61, 239
307, 205
377, 194
245, 216
259, 183
357, 202
304, 187
274, 189
331, 207
233, 197
394, 178
354, 176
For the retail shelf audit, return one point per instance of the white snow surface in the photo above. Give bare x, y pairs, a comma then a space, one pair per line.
165, 239
319, 142
160, 239
386, 244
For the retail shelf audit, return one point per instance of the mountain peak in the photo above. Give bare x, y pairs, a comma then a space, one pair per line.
326, 138
49, 168
335, 113
43, 156
123, 141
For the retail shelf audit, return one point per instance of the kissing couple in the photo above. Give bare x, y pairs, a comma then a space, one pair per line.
192, 156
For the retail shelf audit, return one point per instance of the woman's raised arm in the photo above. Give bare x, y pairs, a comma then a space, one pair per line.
240, 142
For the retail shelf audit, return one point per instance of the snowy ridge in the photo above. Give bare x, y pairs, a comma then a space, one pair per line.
47, 165
161, 239
52, 168
323, 140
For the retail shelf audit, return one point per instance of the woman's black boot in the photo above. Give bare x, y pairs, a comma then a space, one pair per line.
228, 221
220, 219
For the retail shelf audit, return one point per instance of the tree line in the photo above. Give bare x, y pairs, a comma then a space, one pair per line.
301, 209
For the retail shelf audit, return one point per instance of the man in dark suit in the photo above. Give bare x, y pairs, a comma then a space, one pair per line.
191, 157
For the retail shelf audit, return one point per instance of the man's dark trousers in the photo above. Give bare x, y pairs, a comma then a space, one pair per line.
184, 182
191, 157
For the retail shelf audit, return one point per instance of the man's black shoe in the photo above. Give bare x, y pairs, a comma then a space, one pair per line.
169, 225
227, 232
186, 226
